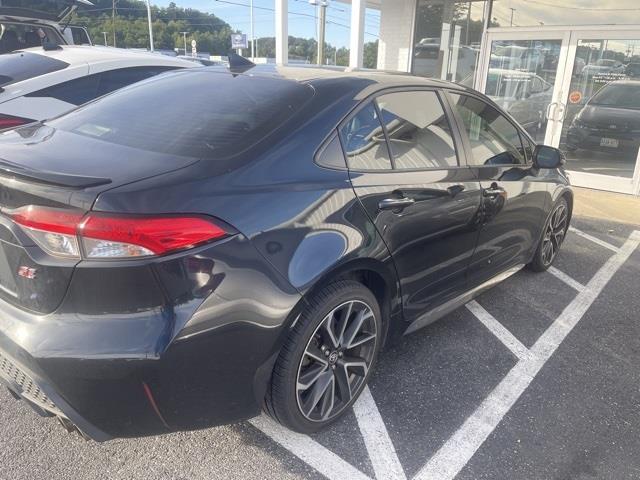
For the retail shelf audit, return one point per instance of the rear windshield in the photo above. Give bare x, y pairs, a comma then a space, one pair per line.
197, 113
18, 66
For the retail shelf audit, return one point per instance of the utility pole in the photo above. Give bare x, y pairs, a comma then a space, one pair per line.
184, 35
322, 25
253, 39
105, 39
113, 21
150, 25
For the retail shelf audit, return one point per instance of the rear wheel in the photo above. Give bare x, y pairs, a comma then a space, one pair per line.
554, 233
325, 363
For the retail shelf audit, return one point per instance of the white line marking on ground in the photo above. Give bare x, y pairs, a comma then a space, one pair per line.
465, 442
602, 243
376, 438
566, 279
499, 330
308, 450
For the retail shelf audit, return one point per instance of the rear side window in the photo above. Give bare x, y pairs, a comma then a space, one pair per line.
418, 130
364, 142
195, 113
18, 66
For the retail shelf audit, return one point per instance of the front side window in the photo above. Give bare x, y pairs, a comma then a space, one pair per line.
364, 142
494, 139
418, 130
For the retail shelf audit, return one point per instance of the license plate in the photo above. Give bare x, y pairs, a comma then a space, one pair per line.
609, 142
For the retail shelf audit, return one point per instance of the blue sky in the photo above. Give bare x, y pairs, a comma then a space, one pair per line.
301, 18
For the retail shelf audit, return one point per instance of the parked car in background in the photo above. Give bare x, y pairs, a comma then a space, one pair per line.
602, 66
204, 244
36, 84
25, 24
609, 121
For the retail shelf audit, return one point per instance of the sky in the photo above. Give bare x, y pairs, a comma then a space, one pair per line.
302, 22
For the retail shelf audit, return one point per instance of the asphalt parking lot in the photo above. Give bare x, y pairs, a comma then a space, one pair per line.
538, 378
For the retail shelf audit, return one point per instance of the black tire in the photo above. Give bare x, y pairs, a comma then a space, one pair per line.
328, 310
555, 229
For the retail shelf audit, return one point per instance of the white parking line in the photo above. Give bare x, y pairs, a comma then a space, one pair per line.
308, 450
499, 330
376, 438
465, 442
566, 279
593, 239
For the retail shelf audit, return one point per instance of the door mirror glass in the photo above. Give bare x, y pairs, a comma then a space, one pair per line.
547, 157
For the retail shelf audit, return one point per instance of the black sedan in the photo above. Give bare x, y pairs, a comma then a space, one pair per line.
171, 265
610, 120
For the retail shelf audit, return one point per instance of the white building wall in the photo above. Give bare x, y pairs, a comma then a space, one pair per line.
396, 29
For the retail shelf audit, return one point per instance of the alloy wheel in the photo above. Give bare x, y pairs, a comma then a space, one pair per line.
336, 360
554, 233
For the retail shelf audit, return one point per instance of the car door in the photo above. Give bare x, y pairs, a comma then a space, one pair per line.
404, 165
514, 192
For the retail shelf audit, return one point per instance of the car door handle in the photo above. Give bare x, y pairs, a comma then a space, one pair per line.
493, 191
395, 203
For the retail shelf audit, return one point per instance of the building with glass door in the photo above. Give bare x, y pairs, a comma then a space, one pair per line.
568, 71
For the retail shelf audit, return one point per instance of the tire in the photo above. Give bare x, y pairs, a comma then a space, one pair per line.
325, 352
555, 229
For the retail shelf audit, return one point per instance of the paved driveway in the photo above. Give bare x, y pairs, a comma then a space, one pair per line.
537, 378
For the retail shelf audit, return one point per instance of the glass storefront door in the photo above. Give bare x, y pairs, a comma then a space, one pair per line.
577, 90
600, 134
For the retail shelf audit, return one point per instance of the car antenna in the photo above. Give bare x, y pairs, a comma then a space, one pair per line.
239, 64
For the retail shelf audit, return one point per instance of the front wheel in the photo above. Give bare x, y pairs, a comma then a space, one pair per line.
326, 360
554, 232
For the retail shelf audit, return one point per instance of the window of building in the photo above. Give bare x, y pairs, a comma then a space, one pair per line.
418, 130
494, 139
527, 13
364, 142
447, 39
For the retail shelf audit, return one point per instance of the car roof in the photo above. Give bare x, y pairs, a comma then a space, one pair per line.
83, 54
382, 78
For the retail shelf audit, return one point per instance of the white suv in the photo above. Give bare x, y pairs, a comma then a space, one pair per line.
37, 84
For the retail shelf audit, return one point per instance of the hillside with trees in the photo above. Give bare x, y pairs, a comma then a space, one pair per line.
211, 32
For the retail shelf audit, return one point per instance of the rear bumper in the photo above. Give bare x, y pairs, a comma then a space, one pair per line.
202, 357
589, 139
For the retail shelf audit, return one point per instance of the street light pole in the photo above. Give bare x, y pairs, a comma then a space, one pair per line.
184, 35
150, 26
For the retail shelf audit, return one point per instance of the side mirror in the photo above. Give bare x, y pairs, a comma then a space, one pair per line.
547, 157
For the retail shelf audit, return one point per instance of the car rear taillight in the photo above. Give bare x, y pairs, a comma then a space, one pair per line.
74, 234
9, 121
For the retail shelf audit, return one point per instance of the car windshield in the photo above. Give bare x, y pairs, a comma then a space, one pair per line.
621, 95
202, 114
18, 36
19, 66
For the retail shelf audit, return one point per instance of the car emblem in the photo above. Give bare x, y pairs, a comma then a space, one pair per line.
27, 272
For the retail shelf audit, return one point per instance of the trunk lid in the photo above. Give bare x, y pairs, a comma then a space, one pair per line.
42, 166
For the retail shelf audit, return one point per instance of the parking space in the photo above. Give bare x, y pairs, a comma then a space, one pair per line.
537, 378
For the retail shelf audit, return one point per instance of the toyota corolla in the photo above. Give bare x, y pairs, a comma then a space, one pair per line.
203, 245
